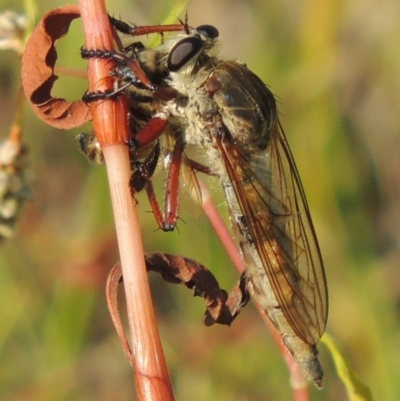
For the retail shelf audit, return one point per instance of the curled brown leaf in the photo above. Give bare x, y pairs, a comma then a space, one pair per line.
221, 307
114, 278
38, 71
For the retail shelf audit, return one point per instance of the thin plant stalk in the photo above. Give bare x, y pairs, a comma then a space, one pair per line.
111, 128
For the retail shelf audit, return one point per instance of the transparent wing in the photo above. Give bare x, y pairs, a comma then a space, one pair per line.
190, 183
272, 200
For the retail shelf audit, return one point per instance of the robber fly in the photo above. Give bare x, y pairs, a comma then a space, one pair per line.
226, 110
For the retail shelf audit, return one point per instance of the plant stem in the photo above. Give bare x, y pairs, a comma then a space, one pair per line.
112, 130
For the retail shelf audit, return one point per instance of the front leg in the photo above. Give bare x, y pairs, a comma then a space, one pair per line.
127, 69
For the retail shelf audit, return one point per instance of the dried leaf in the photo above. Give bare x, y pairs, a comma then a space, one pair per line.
38, 71
221, 307
114, 278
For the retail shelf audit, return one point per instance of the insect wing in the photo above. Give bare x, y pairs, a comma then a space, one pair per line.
272, 200
190, 182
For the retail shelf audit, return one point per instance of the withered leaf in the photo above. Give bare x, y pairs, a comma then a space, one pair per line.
38, 71
221, 307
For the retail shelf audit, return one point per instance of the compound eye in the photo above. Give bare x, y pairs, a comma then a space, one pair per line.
183, 52
208, 31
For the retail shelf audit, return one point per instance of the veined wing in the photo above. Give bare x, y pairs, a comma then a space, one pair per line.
272, 200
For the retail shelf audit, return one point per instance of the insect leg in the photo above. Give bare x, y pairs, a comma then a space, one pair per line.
196, 166
171, 199
89, 97
128, 69
141, 179
134, 30
142, 173
150, 132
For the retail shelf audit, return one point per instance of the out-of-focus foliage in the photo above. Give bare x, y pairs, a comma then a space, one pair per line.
356, 389
335, 67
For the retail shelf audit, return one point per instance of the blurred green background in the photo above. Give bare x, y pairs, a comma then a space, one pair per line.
335, 67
